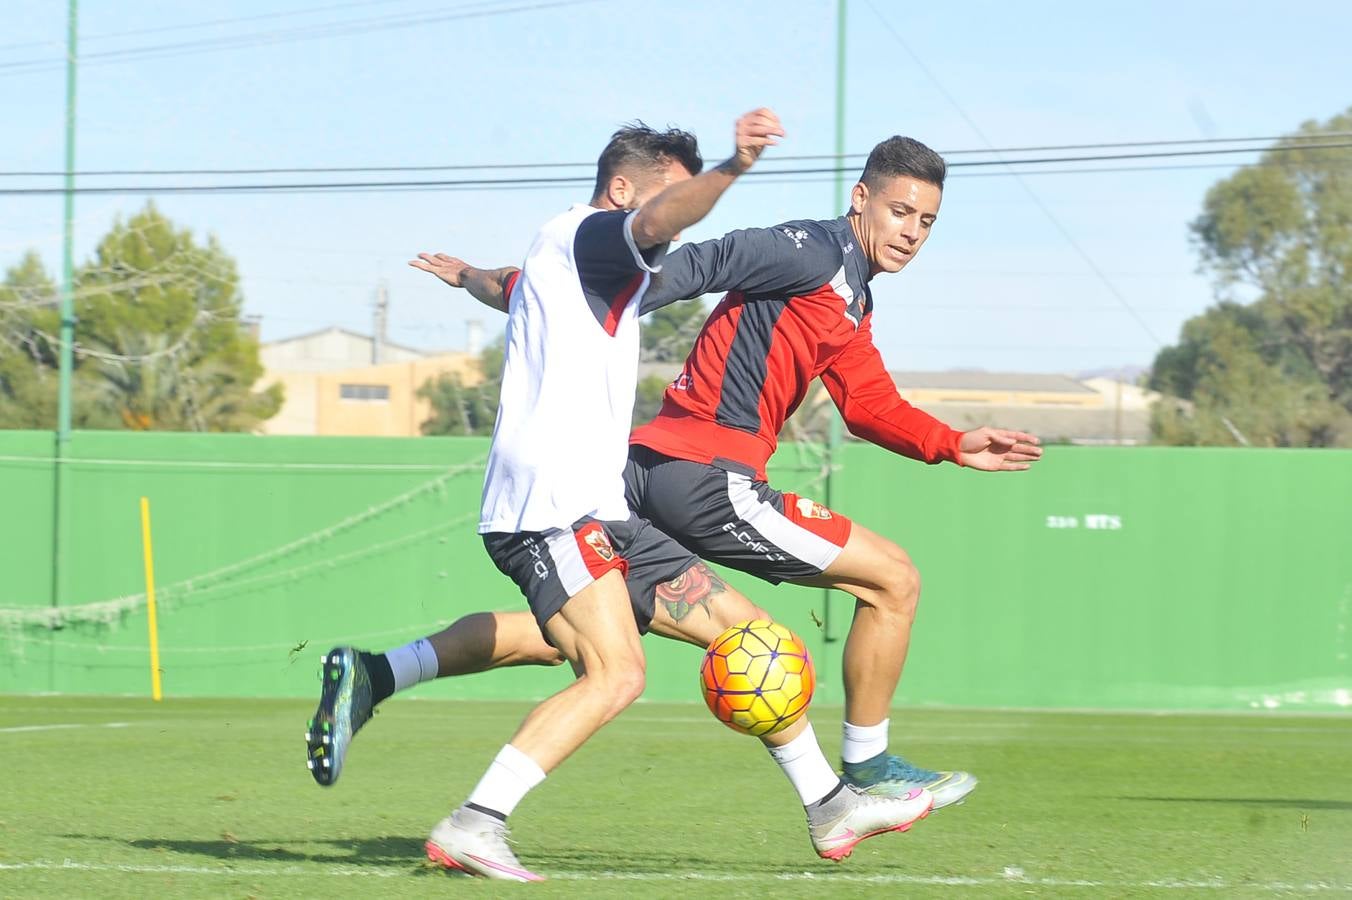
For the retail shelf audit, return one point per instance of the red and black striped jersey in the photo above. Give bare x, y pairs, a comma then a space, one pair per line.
797, 307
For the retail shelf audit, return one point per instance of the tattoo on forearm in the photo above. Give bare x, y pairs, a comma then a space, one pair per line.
695, 587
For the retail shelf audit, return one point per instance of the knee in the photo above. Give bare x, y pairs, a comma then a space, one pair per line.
630, 686
900, 584
620, 683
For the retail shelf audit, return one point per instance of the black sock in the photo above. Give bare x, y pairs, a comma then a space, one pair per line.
382, 676
486, 811
840, 786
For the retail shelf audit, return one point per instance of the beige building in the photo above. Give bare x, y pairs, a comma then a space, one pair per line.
994, 388
1057, 408
333, 388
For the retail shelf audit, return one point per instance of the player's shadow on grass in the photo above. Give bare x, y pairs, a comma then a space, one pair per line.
372, 851
632, 864
1287, 802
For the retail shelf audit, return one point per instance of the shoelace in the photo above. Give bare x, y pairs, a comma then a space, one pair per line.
504, 835
899, 769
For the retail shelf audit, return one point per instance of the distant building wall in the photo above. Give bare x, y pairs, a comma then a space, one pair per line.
298, 412
333, 388
376, 401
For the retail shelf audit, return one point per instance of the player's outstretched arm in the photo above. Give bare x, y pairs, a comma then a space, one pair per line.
998, 449
683, 204
488, 286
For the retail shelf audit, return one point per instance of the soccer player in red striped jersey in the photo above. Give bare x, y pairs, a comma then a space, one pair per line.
799, 307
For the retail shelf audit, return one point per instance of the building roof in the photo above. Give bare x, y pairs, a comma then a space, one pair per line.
1035, 382
1053, 424
334, 329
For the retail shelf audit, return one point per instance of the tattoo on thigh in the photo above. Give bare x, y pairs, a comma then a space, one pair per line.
696, 586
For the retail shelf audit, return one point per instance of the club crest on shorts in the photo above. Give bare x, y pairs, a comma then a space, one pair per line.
811, 509
599, 541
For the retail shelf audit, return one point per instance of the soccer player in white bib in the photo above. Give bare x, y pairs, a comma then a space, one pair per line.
555, 519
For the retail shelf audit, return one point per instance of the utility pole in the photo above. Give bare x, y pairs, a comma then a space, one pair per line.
834, 435
381, 325
66, 352
1117, 408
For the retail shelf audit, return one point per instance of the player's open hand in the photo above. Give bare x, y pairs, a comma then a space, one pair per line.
447, 268
755, 131
998, 450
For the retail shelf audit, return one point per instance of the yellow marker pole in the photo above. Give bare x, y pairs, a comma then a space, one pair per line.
150, 602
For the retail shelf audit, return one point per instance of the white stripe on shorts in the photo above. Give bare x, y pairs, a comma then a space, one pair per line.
568, 562
778, 528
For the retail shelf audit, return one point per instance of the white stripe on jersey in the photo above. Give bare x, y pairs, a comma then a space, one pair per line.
840, 283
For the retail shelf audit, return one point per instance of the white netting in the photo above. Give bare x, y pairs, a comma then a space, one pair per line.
217, 582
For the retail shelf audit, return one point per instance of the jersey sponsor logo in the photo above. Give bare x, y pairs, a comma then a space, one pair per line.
683, 382
797, 235
811, 509
849, 246
599, 541
752, 543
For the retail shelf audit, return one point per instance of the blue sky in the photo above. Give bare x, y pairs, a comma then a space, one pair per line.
999, 286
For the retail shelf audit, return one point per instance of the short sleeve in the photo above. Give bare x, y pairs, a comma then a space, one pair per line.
610, 265
604, 247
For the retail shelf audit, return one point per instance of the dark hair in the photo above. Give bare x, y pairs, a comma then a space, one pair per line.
639, 146
904, 156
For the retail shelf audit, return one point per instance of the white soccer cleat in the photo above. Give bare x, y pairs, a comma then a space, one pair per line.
864, 816
476, 844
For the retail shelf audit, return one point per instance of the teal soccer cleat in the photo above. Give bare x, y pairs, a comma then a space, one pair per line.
886, 775
344, 707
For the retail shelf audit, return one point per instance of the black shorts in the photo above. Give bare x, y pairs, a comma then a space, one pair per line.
551, 566
724, 515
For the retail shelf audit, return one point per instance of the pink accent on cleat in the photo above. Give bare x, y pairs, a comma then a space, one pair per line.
443, 859
838, 854
446, 861
523, 874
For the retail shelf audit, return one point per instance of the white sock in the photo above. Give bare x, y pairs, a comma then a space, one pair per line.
507, 780
413, 663
863, 742
806, 767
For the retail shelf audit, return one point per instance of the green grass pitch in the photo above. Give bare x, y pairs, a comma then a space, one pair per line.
119, 797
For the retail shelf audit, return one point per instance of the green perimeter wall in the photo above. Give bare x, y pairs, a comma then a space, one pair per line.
1191, 578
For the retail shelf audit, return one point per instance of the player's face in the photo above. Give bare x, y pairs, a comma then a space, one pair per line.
894, 219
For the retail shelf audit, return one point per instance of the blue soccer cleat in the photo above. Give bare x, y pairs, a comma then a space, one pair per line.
344, 707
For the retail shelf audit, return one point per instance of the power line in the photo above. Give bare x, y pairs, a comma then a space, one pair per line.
565, 180
256, 39
1056, 223
789, 158
85, 38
